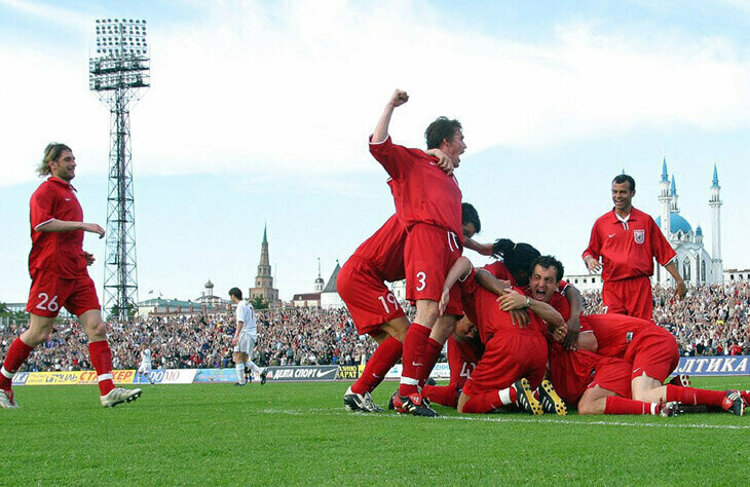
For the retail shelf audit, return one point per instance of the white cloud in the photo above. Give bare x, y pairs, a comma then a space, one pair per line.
274, 88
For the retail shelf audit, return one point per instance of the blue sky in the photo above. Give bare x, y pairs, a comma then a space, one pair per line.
259, 113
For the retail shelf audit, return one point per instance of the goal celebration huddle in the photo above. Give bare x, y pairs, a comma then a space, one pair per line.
516, 334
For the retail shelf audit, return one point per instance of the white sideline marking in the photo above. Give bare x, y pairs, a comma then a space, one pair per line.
495, 419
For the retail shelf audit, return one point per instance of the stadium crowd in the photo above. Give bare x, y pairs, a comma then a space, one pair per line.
712, 320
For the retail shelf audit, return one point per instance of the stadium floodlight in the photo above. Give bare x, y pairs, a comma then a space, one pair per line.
118, 69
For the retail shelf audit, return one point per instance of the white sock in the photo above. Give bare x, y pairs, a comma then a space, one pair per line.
504, 395
240, 367
251, 365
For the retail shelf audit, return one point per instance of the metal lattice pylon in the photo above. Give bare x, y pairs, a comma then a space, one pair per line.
117, 71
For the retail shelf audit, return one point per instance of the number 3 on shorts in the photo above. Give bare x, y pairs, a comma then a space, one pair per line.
48, 304
421, 281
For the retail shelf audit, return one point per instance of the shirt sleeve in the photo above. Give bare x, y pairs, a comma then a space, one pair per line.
391, 157
41, 204
595, 244
238, 314
661, 248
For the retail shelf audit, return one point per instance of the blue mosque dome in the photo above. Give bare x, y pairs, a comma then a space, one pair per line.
676, 223
699, 231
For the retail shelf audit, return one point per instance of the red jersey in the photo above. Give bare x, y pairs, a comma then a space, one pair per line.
500, 271
423, 193
463, 356
491, 320
58, 252
384, 250
628, 248
614, 332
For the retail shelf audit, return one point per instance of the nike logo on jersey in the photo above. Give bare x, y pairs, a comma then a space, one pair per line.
612, 235
67, 199
415, 364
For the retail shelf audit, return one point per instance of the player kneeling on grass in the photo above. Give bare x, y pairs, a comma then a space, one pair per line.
59, 278
621, 342
245, 335
515, 355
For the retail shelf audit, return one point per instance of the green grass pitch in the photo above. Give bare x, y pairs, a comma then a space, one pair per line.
300, 434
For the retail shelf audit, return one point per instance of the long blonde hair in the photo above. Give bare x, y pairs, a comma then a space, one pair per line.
51, 153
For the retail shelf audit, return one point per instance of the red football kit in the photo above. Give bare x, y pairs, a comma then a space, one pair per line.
463, 356
573, 371
428, 204
500, 271
57, 264
627, 249
650, 348
360, 282
511, 352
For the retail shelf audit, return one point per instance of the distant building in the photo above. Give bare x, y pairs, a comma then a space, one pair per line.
264, 281
306, 300
329, 296
209, 299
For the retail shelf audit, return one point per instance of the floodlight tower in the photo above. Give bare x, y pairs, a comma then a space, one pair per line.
117, 70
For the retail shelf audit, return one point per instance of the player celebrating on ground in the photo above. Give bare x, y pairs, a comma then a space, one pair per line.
465, 349
649, 350
428, 204
245, 335
515, 357
57, 265
144, 368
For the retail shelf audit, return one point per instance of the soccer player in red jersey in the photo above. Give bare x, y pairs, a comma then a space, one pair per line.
428, 204
627, 240
515, 356
374, 309
57, 265
514, 261
464, 352
650, 351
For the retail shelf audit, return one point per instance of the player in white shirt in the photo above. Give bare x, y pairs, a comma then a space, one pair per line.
145, 367
245, 335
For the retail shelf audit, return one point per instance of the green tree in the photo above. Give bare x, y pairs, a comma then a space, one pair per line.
259, 303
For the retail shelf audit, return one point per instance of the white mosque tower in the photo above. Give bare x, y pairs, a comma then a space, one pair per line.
715, 204
694, 263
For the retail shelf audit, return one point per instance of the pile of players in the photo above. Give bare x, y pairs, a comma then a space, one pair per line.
517, 338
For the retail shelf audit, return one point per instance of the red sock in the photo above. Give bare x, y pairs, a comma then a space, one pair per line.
482, 403
17, 355
101, 358
691, 396
432, 351
385, 357
414, 346
621, 405
445, 395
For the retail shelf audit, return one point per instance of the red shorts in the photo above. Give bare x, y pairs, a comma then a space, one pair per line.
613, 374
654, 352
507, 358
428, 256
630, 297
370, 303
49, 293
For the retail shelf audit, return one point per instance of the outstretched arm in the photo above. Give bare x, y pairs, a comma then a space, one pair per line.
482, 249
398, 98
68, 226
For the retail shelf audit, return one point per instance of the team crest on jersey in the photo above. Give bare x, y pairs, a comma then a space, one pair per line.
639, 236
